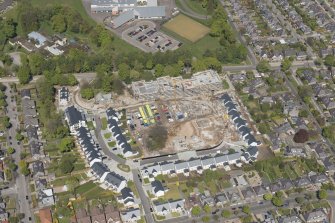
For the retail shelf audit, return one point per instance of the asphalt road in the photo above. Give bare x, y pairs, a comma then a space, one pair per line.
145, 201
21, 184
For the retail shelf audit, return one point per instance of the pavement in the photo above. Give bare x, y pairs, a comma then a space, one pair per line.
144, 199
21, 184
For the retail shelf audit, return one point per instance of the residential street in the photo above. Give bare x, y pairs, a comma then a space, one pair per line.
145, 201
21, 185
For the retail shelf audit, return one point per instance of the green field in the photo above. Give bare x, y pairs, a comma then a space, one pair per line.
196, 6
187, 28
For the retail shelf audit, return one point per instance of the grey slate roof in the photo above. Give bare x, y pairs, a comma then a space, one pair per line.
157, 186
73, 115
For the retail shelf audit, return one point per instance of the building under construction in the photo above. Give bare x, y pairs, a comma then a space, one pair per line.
176, 87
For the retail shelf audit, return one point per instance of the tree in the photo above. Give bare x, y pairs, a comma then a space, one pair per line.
66, 164
72, 183
58, 23
196, 211
159, 70
157, 137
301, 136
124, 71
226, 214
263, 66
328, 132
286, 64
6, 122
267, 197
24, 168
303, 113
277, 201
66, 144
24, 74
10, 150
87, 93
322, 194
206, 218
299, 200
19, 136
207, 209
330, 61
246, 209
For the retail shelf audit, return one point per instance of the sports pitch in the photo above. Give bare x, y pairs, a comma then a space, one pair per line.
187, 28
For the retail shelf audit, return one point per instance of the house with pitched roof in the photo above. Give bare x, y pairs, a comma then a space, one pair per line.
131, 215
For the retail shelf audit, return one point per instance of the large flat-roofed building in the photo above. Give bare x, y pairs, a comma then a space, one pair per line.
127, 10
112, 5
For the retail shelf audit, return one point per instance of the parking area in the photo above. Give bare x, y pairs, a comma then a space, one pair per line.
145, 36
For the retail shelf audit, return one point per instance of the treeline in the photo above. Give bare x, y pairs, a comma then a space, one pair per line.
106, 58
61, 18
231, 51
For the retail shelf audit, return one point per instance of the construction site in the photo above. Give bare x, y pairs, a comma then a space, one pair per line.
190, 110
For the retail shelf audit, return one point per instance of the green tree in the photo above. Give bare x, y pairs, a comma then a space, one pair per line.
226, 214
58, 23
124, 71
246, 209
207, 209
24, 168
6, 122
267, 197
159, 70
10, 150
330, 61
66, 144
196, 211
206, 218
66, 165
149, 65
87, 93
286, 64
263, 66
277, 201
328, 132
299, 200
322, 194
72, 183
19, 136
303, 113
24, 74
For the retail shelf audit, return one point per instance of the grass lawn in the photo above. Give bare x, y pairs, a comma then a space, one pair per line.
212, 187
198, 48
123, 167
85, 187
196, 6
104, 123
91, 190
187, 28
107, 135
172, 193
111, 144
90, 125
